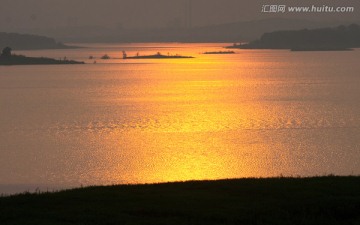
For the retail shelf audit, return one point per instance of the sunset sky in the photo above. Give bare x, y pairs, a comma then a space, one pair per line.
149, 13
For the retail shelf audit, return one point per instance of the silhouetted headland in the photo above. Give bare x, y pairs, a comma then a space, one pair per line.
304, 49
30, 42
7, 58
156, 56
341, 38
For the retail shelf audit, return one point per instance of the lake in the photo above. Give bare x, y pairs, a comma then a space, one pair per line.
257, 113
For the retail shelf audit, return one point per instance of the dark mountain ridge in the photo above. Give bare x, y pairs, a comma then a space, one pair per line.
337, 38
29, 42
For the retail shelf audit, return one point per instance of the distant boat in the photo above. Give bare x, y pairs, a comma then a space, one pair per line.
156, 56
105, 57
219, 52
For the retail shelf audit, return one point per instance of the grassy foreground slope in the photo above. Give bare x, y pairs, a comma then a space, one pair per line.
321, 200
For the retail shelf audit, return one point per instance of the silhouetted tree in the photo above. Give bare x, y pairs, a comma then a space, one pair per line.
6, 52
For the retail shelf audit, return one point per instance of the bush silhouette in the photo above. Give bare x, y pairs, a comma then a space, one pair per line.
6, 52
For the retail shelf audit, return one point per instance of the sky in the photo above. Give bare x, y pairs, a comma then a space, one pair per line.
151, 13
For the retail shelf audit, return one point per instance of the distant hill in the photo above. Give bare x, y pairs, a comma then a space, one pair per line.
249, 30
338, 38
27, 42
229, 32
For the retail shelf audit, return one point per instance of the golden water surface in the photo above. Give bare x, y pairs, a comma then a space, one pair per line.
258, 113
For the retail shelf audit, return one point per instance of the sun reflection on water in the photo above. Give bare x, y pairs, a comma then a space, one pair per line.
252, 114
185, 117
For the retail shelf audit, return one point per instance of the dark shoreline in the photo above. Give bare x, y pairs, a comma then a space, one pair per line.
14, 60
318, 200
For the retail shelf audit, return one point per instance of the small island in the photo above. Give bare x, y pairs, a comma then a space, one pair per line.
155, 56
9, 59
219, 53
341, 38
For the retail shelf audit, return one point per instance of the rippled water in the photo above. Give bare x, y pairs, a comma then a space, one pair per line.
257, 113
